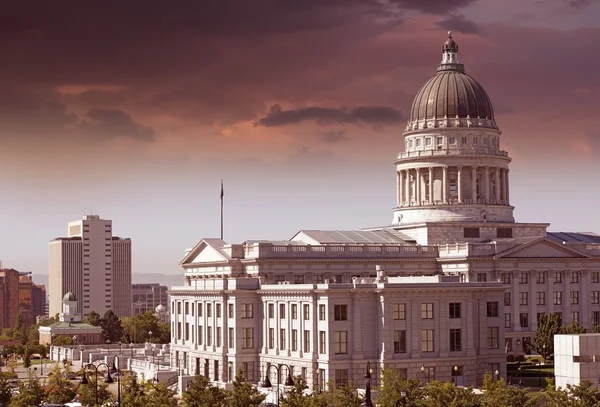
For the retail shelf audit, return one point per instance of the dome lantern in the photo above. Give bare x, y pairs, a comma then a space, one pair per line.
450, 60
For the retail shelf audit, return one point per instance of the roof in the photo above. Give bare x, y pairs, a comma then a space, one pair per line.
72, 325
69, 297
384, 236
574, 237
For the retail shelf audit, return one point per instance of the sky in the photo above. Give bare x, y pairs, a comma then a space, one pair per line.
136, 110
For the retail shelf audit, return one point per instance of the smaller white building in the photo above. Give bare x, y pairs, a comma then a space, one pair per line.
576, 358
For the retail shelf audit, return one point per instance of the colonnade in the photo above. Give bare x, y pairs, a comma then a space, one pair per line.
445, 184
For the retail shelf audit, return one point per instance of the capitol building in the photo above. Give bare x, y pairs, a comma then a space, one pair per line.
444, 292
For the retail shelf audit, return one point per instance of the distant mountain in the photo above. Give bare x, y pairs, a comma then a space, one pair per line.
138, 278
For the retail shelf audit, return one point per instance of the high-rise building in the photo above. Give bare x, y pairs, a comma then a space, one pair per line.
38, 299
92, 264
9, 297
26, 300
147, 297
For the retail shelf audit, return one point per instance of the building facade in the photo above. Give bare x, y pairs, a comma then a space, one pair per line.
146, 297
92, 264
9, 297
461, 283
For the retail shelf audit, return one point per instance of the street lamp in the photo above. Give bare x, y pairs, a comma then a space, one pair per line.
150, 335
497, 373
120, 348
108, 344
423, 373
403, 395
368, 401
114, 370
131, 347
84, 380
267, 383
456, 375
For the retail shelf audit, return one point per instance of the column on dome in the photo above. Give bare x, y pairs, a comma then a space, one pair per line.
407, 187
503, 185
418, 186
474, 184
459, 184
486, 184
399, 188
507, 187
445, 184
497, 186
430, 186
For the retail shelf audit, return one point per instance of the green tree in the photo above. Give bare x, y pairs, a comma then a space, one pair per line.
87, 393
595, 328
498, 394
295, 396
243, 393
343, 396
201, 393
111, 326
5, 390
161, 396
26, 358
543, 340
31, 393
60, 390
447, 394
19, 323
132, 394
574, 327
394, 385
136, 329
63, 340
582, 395
94, 319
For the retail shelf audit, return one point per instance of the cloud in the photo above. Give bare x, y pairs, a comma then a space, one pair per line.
276, 116
459, 23
579, 3
334, 136
112, 123
306, 155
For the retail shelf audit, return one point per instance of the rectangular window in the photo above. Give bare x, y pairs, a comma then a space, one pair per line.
209, 336
559, 315
506, 299
439, 141
187, 308
428, 141
247, 338
540, 297
340, 312
524, 298
318, 279
426, 340
279, 278
298, 279
504, 233
418, 142
218, 336
507, 321
248, 371
341, 377
341, 342
465, 140
455, 340
454, 310
523, 278
505, 278
540, 278
231, 341
471, 233
306, 341
492, 309
574, 297
199, 310
294, 311
282, 339
492, 337
306, 311
247, 311
595, 297
481, 277
595, 277
281, 311
294, 340
271, 311
271, 338
399, 311
218, 310
557, 297
451, 140
399, 341
209, 310
574, 277
321, 312
322, 343
524, 320
557, 278
595, 317
427, 310
230, 310
575, 316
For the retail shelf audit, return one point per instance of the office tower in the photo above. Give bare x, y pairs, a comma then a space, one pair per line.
9, 297
92, 264
148, 296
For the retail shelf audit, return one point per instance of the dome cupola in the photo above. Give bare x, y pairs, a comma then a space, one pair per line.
451, 98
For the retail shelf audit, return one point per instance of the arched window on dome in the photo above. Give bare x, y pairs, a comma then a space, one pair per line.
452, 190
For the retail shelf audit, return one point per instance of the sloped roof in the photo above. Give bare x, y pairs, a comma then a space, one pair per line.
574, 237
384, 236
72, 325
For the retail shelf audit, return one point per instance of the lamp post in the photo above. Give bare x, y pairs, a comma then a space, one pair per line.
267, 383
108, 344
368, 401
540, 367
497, 373
456, 375
114, 370
84, 380
403, 395
131, 347
120, 348
423, 374
150, 335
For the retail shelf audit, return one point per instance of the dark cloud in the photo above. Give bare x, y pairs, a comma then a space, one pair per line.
433, 6
110, 123
579, 3
459, 23
276, 116
334, 136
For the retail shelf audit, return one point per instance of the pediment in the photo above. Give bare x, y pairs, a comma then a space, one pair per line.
542, 248
204, 253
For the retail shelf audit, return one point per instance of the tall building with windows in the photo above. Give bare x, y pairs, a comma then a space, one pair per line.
459, 283
92, 264
9, 297
146, 297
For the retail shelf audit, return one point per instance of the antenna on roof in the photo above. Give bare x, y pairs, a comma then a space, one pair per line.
222, 194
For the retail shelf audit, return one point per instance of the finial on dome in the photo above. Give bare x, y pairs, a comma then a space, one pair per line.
449, 34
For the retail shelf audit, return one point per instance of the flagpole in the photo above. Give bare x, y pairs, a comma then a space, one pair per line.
221, 209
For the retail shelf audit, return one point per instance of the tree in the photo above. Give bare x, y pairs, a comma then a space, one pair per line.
136, 329
31, 393
244, 394
5, 390
94, 319
112, 329
543, 340
161, 396
26, 358
62, 340
574, 327
343, 396
447, 394
295, 396
582, 395
60, 390
201, 393
498, 394
394, 384
87, 393
132, 394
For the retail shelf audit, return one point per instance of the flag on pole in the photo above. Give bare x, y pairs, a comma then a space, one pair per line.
222, 189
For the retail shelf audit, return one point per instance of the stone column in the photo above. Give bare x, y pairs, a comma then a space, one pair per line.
474, 184
497, 189
265, 327
445, 184
400, 187
507, 187
407, 188
459, 184
486, 184
418, 186
503, 185
430, 185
